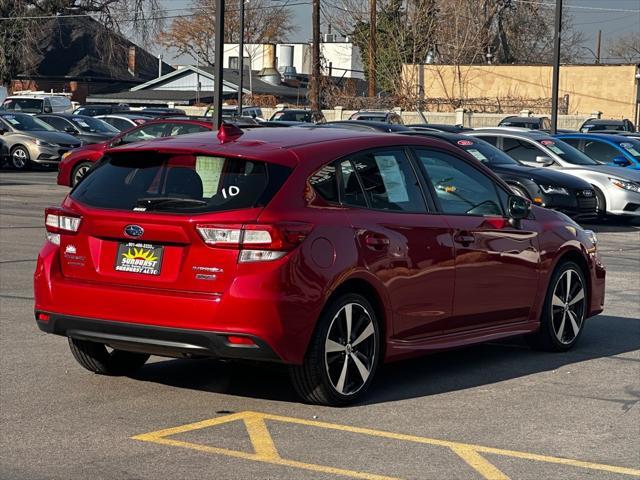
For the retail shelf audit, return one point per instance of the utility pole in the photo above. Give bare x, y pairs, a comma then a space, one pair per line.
218, 70
315, 56
372, 48
556, 68
598, 43
241, 58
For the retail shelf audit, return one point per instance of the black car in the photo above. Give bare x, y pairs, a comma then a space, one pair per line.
544, 187
439, 127
160, 112
534, 123
367, 126
377, 116
598, 124
303, 115
95, 110
84, 128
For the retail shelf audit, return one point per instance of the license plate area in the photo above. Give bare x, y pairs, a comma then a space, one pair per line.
141, 258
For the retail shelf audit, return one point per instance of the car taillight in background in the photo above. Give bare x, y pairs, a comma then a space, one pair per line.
57, 221
257, 243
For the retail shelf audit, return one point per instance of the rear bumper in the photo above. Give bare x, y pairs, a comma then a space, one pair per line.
164, 341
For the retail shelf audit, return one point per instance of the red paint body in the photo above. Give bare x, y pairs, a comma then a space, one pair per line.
434, 290
94, 152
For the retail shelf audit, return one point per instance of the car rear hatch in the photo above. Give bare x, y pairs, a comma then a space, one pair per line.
166, 221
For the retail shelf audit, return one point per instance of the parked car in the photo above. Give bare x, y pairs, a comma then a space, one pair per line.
95, 110
159, 112
367, 126
37, 103
400, 245
533, 123
544, 187
75, 165
231, 111
124, 121
4, 152
439, 127
377, 116
617, 189
614, 150
303, 115
635, 135
31, 141
84, 128
597, 124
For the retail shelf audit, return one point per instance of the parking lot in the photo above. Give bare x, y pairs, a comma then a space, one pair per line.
494, 411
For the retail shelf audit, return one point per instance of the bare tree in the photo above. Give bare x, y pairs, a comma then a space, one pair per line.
626, 47
194, 35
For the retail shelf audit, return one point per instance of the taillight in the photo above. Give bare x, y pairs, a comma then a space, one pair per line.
257, 243
57, 221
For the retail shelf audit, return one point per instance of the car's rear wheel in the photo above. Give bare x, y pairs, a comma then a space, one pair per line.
79, 172
20, 158
564, 311
95, 357
343, 353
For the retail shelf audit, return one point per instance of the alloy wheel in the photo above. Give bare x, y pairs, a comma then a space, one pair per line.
568, 306
350, 349
80, 172
19, 158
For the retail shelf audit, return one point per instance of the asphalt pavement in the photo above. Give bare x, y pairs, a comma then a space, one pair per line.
498, 410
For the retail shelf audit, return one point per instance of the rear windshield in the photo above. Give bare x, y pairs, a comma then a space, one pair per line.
292, 117
148, 181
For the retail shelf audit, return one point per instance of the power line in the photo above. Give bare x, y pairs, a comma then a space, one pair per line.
578, 7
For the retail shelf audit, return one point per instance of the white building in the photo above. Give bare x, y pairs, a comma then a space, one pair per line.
340, 59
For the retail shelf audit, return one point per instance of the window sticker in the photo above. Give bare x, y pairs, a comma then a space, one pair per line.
629, 147
465, 143
12, 120
551, 145
392, 178
81, 122
209, 169
478, 154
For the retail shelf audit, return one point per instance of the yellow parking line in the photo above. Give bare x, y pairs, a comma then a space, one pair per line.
479, 463
265, 449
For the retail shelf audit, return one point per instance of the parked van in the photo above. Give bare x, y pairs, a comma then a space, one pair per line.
37, 102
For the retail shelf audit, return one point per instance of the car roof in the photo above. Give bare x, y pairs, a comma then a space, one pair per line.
270, 144
601, 121
610, 138
123, 115
373, 125
521, 119
512, 132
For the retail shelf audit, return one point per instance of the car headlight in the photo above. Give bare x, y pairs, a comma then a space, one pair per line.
553, 190
42, 143
625, 184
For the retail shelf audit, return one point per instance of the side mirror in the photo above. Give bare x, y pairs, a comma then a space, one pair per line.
620, 161
47, 109
518, 207
544, 160
71, 130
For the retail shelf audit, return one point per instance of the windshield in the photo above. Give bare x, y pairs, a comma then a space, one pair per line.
27, 105
603, 126
26, 123
632, 147
93, 125
566, 152
486, 153
147, 181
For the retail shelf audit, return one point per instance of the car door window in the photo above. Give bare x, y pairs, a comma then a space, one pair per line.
574, 142
460, 188
184, 129
521, 150
147, 132
386, 180
58, 123
118, 123
492, 140
600, 151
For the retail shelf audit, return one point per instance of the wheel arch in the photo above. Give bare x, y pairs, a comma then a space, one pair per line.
578, 257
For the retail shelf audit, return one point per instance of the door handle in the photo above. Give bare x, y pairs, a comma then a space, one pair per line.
375, 241
465, 238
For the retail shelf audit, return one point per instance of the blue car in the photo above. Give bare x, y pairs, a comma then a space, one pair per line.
608, 149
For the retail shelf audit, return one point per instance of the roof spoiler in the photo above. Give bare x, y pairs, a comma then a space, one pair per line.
228, 132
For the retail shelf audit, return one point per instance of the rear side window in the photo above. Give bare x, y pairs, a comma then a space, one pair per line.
185, 128
148, 181
600, 151
145, 133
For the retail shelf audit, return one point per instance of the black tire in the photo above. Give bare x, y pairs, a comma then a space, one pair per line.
602, 204
20, 158
79, 172
520, 191
96, 358
314, 379
554, 317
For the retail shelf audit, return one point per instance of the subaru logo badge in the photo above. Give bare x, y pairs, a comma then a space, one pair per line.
588, 193
133, 230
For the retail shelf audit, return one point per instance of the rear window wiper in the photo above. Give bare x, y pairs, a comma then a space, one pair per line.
150, 203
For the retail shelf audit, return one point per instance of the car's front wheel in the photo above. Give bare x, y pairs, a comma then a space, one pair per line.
343, 353
95, 357
20, 158
564, 311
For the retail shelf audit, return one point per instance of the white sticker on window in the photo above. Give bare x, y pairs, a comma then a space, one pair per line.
393, 178
209, 169
478, 154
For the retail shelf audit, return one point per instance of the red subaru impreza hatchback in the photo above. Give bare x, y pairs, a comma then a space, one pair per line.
319, 248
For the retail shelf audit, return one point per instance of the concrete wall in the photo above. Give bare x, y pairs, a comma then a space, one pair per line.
610, 89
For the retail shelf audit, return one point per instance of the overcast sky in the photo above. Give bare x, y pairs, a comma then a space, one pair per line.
589, 16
